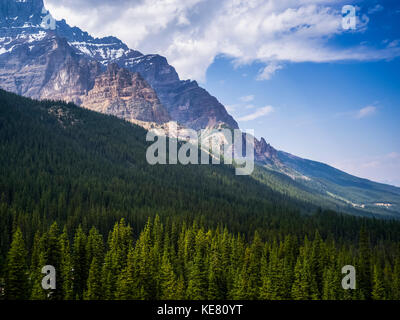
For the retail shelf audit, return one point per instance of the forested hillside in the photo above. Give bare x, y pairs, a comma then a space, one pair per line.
68, 176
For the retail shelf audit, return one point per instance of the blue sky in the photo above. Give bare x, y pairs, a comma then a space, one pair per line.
344, 113
285, 68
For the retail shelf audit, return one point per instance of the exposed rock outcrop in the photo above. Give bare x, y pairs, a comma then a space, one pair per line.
126, 95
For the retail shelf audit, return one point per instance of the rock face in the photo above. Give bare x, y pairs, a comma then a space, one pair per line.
185, 100
47, 67
126, 95
265, 153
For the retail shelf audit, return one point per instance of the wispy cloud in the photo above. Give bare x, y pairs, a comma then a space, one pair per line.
375, 9
366, 112
267, 72
394, 43
258, 113
248, 98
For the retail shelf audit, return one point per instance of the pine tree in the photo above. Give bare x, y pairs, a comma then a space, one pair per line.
168, 280
119, 244
148, 278
378, 289
253, 273
53, 258
198, 280
94, 246
17, 283
180, 292
364, 266
94, 285
216, 280
273, 280
80, 265
396, 279
304, 286
316, 264
330, 283
37, 262
127, 284
66, 267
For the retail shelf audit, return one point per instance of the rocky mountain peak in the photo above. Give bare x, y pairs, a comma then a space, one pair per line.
264, 152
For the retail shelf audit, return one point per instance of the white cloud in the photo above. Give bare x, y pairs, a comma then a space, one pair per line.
365, 112
192, 33
269, 71
248, 98
258, 113
375, 9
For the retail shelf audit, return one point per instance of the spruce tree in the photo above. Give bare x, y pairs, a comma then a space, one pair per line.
119, 244
80, 265
168, 280
364, 266
378, 289
94, 285
66, 267
37, 262
17, 283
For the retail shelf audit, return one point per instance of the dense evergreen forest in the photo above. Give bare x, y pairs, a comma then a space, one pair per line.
77, 193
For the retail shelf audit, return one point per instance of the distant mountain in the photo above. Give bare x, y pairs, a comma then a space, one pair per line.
104, 75
353, 191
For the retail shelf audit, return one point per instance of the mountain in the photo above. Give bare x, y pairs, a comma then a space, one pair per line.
104, 75
185, 101
38, 63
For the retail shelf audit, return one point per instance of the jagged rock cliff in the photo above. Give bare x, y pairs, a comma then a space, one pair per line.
126, 95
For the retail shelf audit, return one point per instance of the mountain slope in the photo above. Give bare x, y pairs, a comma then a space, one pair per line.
58, 155
69, 64
354, 191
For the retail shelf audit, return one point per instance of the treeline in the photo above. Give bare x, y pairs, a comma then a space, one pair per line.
176, 261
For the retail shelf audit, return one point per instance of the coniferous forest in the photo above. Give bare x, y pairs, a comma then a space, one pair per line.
77, 193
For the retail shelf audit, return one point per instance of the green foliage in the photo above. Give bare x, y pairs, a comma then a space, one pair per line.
17, 272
